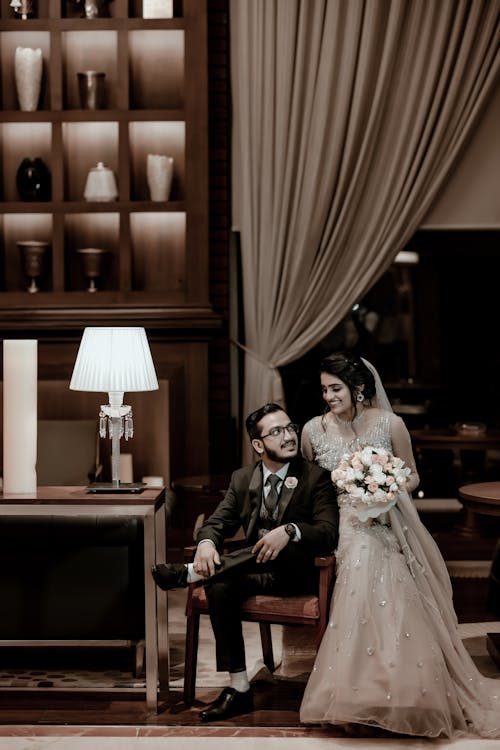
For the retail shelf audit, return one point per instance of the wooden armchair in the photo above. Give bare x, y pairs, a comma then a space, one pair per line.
307, 609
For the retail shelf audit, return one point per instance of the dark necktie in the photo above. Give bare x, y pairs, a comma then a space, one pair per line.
271, 501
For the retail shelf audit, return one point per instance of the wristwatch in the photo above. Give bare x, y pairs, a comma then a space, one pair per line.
290, 530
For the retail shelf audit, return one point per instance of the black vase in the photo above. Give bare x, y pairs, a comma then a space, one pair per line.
33, 180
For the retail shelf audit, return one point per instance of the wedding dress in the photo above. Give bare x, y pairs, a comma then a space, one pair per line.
391, 656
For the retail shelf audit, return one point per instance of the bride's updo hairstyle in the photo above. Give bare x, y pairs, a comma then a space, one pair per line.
353, 372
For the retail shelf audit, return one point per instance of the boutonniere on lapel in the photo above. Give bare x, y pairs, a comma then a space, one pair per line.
291, 483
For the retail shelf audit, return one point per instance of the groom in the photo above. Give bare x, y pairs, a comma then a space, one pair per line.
288, 510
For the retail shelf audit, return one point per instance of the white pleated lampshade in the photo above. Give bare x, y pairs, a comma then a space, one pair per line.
114, 359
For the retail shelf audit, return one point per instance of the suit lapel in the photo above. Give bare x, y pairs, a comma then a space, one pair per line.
294, 470
254, 497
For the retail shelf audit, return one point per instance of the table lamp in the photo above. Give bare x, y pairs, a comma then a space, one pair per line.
114, 360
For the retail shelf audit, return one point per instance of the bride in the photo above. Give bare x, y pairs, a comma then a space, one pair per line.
391, 656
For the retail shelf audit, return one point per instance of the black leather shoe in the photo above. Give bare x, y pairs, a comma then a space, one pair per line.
170, 575
229, 703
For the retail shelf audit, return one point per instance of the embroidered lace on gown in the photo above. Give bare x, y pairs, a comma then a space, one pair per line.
391, 656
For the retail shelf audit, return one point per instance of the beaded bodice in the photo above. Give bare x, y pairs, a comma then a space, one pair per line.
330, 441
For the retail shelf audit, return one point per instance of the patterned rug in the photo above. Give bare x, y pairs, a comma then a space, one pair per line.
69, 678
105, 669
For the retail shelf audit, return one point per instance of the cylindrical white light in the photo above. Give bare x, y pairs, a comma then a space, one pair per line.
20, 366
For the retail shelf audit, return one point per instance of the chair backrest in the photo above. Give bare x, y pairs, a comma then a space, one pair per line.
67, 451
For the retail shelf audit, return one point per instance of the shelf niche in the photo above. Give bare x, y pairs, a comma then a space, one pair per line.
158, 260
89, 50
20, 228
91, 231
167, 138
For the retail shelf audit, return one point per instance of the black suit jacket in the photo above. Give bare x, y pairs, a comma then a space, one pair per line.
311, 505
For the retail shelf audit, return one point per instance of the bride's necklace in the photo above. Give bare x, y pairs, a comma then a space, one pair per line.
347, 423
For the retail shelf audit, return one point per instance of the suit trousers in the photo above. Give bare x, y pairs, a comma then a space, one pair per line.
239, 577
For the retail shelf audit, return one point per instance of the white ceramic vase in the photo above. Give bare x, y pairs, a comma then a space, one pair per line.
160, 171
28, 68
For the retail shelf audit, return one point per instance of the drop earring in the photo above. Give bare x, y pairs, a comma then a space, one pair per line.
360, 397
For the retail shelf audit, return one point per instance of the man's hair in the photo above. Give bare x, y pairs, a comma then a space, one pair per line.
254, 418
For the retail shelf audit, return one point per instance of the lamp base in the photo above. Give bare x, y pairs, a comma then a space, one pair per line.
124, 488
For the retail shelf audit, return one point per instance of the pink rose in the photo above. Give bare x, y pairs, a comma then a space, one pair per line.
291, 483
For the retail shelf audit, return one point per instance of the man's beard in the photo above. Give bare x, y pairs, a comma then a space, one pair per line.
280, 457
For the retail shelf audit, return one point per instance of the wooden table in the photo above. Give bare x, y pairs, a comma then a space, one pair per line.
484, 498
75, 502
455, 440
470, 449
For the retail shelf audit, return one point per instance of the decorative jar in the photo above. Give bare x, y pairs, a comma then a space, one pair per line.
33, 180
23, 8
101, 184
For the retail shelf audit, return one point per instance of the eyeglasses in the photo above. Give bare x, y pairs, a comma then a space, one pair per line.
276, 432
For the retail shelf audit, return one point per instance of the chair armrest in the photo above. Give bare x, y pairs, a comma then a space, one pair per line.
325, 561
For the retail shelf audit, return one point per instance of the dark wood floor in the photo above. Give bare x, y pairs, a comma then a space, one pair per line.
277, 703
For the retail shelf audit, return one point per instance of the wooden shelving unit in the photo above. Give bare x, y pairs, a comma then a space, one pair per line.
155, 102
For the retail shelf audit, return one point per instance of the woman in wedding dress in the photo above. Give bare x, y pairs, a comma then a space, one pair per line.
391, 656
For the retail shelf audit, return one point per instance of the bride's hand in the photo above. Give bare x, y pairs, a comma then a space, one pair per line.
354, 520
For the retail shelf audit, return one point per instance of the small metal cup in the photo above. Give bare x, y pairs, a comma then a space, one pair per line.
91, 89
92, 264
32, 253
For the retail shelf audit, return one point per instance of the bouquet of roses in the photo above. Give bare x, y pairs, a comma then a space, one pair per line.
372, 477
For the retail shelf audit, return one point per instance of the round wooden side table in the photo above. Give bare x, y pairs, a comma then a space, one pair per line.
484, 498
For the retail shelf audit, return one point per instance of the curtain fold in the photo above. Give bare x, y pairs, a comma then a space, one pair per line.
348, 117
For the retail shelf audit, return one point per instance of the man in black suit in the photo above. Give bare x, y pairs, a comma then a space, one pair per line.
288, 511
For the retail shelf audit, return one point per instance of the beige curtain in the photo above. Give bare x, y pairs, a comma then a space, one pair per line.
348, 117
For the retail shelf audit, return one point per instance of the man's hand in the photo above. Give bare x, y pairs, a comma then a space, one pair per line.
269, 547
205, 559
